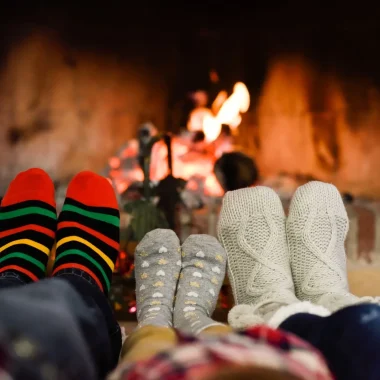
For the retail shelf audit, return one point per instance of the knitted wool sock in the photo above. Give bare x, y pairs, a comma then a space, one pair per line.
317, 227
88, 229
252, 230
157, 267
202, 276
28, 221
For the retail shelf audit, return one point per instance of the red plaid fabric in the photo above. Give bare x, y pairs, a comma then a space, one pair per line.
197, 358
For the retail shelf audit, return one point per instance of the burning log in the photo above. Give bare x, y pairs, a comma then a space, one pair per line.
235, 171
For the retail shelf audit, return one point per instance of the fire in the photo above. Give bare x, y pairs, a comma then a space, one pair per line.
224, 110
211, 128
212, 186
192, 160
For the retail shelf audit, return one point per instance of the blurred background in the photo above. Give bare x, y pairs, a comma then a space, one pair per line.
246, 93
76, 82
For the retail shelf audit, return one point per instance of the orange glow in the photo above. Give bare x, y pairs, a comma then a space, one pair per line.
236, 104
218, 102
212, 186
114, 162
190, 160
241, 91
224, 110
214, 77
211, 128
197, 117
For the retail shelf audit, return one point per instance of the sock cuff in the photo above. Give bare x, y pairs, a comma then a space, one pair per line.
244, 316
287, 311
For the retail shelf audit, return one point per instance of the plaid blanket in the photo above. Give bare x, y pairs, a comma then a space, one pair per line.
199, 357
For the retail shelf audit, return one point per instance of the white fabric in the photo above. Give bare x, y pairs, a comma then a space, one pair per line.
252, 230
316, 230
285, 312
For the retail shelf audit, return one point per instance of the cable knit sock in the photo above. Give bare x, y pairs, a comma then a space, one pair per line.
28, 221
316, 228
88, 230
252, 230
157, 268
202, 276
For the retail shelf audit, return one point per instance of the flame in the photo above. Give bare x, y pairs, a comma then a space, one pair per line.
225, 110
218, 102
241, 91
197, 117
237, 103
188, 162
211, 128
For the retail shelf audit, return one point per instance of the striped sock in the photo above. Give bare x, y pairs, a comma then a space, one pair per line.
28, 221
88, 229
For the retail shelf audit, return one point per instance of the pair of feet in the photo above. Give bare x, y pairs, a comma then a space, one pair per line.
86, 233
178, 286
274, 261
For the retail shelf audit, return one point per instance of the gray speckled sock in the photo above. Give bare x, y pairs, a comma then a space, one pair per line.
157, 268
202, 276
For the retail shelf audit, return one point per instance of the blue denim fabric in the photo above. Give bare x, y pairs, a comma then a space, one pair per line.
349, 339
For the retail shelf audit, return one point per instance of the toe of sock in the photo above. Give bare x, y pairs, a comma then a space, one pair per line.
162, 238
257, 199
317, 195
93, 190
30, 185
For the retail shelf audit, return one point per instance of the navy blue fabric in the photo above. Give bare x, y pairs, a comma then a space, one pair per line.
67, 320
349, 339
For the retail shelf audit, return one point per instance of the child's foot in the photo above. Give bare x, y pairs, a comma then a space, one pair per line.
88, 230
202, 275
28, 222
157, 267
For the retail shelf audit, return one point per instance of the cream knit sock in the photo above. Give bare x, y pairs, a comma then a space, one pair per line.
316, 229
252, 230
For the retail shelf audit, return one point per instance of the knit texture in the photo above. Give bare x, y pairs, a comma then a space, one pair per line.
202, 275
157, 268
252, 230
88, 229
28, 222
316, 229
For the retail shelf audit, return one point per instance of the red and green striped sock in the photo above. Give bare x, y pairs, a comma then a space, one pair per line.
28, 221
88, 229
